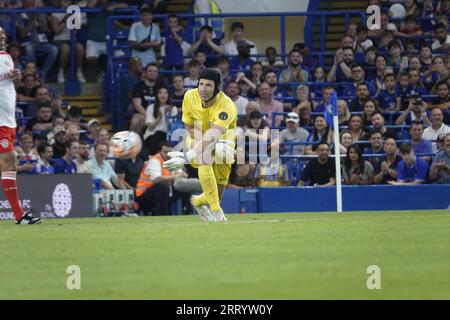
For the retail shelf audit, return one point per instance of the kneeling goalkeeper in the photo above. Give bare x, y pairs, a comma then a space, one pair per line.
210, 119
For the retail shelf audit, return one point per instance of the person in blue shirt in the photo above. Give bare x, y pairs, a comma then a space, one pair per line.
242, 62
358, 76
340, 72
173, 39
421, 146
67, 165
387, 97
411, 170
43, 165
209, 45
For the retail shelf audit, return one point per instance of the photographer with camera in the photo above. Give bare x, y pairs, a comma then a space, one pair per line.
416, 111
145, 37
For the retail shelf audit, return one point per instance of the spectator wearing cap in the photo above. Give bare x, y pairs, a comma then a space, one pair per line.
440, 168
437, 127
232, 91
269, 105
101, 169
294, 72
207, 44
292, 134
241, 64
93, 128
145, 37
411, 170
237, 34
66, 164
43, 120
441, 38
320, 171
43, 165
59, 144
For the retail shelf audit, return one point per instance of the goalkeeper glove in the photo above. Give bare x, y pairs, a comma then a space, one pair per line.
178, 159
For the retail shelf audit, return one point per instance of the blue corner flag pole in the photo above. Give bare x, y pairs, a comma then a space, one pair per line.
331, 116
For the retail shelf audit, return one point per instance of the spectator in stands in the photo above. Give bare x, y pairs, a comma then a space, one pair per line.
153, 189
72, 132
304, 110
127, 82
178, 91
369, 63
43, 165
388, 99
43, 120
320, 133
33, 29
5, 19
128, 171
378, 124
302, 95
255, 80
343, 113
224, 68
200, 57
57, 22
157, 120
93, 129
271, 61
318, 77
370, 107
96, 30
278, 92
294, 72
249, 108
385, 25
101, 169
191, 81
232, 91
43, 96
357, 76
411, 170
362, 40
326, 94
434, 74
67, 164
59, 144
437, 127
244, 89
362, 96
269, 105
416, 111
395, 55
320, 171
340, 72
256, 127
410, 28
441, 38
308, 62
173, 37
381, 67
387, 170
356, 170
387, 37
242, 176
82, 162
415, 83
74, 116
27, 91
426, 55
420, 145
143, 94
442, 101
440, 168
356, 128
237, 34
31, 68
376, 147
14, 52
345, 141
207, 44
27, 157
292, 134
145, 37
242, 63
272, 174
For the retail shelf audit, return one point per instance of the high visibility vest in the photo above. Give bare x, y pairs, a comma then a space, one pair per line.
215, 9
145, 181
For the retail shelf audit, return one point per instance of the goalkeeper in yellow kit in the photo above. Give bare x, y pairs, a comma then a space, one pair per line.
210, 119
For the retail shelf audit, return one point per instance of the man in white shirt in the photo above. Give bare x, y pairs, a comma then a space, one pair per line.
437, 127
442, 38
232, 90
237, 34
101, 169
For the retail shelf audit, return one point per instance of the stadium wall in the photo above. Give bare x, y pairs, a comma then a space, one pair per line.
355, 198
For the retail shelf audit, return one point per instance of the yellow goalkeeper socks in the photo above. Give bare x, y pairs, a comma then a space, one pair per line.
209, 186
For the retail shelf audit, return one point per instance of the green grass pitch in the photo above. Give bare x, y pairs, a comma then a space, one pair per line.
264, 256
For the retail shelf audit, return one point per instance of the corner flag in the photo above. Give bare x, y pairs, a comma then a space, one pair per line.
331, 109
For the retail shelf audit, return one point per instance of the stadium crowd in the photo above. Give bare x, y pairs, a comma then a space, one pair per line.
393, 87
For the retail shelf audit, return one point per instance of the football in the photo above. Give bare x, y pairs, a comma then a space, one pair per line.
126, 144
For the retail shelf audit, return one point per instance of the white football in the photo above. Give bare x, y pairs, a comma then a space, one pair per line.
397, 11
126, 144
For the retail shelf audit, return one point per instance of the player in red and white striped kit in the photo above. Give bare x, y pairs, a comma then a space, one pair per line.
8, 158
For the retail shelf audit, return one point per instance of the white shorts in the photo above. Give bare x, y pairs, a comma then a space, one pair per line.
95, 49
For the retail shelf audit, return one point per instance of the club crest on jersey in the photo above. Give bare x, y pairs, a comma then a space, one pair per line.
223, 116
4, 143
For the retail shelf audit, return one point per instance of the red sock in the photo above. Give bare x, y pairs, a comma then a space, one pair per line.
10, 189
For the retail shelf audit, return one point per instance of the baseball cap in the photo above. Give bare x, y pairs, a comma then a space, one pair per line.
92, 121
58, 129
292, 117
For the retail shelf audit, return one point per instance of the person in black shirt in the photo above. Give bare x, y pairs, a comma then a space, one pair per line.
387, 171
178, 91
128, 171
442, 101
378, 124
143, 95
43, 120
319, 171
